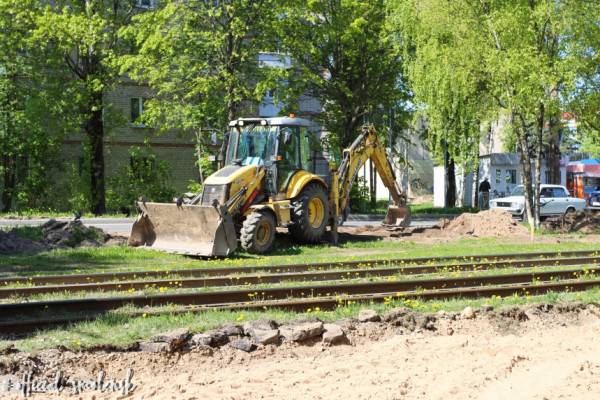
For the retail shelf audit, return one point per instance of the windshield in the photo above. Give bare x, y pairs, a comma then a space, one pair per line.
252, 144
517, 191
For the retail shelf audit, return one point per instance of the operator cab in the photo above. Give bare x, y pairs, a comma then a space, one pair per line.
283, 145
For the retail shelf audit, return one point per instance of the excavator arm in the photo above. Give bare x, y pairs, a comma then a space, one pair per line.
367, 146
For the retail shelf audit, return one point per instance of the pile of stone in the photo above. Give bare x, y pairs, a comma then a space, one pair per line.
252, 335
584, 222
248, 337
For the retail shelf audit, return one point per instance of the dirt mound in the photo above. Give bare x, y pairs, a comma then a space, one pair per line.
492, 222
58, 235
585, 222
10, 242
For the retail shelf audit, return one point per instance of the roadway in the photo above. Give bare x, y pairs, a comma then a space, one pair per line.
122, 226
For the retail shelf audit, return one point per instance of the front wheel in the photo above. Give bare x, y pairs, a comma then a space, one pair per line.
258, 232
310, 211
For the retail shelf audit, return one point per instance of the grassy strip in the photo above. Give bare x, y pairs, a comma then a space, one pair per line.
118, 329
173, 288
116, 259
42, 214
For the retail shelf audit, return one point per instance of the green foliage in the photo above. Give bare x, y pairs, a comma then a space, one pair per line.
145, 177
345, 56
201, 57
359, 195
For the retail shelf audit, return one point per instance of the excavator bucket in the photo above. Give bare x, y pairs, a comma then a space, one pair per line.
397, 216
184, 229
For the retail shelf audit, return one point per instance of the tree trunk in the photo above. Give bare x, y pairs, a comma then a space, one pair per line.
451, 179
475, 185
9, 181
538, 165
553, 159
94, 127
523, 147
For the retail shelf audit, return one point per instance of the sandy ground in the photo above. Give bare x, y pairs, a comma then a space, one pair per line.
550, 356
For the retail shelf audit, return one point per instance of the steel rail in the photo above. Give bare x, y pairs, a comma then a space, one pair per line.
287, 268
324, 302
100, 305
219, 281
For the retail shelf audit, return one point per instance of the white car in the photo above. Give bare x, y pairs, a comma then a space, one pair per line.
554, 200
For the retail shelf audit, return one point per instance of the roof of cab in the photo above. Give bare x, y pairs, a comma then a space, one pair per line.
275, 121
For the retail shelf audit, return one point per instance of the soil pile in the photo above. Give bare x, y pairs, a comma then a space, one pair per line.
58, 235
585, 222
10, 242
493, 222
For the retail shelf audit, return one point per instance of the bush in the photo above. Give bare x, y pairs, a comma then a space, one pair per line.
145, 176
359, 195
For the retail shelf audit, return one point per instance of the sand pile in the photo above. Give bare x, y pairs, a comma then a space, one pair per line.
585, 222
493, 222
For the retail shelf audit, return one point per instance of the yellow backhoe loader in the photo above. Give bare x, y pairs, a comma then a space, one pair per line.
275, 175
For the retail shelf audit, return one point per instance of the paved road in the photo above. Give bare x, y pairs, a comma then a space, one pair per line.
123, 225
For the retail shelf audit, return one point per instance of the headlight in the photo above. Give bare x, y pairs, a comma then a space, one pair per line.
212, 192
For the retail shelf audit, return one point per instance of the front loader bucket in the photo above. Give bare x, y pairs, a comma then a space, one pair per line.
398, 216
185, 229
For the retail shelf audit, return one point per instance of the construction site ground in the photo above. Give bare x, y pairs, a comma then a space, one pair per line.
520, 354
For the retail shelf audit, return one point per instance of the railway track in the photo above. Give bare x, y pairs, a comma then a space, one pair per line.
285, 268
323, 285
318, 275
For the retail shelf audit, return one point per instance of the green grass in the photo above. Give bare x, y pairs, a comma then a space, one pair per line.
121, 330
428, 208
115, 259
28, 232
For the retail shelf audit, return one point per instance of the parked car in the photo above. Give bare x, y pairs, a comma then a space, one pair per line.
554, 200
593, 200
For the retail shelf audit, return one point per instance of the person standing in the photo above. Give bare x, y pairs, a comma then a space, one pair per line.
484, 189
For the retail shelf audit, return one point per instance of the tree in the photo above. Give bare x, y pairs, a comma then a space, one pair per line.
201, 59
32, 122
85, 33
526, 55
344, 55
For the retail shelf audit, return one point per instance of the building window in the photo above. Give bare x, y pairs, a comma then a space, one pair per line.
498, 176
511, 176
145, 3
137, 109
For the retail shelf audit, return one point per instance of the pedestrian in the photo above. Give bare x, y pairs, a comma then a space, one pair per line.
484, 189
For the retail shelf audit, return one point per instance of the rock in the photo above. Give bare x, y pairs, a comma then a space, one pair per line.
395, 313
468, 313
201, 339
298, 333
426, 322
265, 337
53, 224
441, 314
243, 344
368, 316
175, 338
545, 307
487, 308
155, 347
333, 335
232, 330
261, 324
218, 338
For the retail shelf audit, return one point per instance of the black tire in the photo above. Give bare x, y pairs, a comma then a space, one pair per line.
304, 228
570, 210
258, 232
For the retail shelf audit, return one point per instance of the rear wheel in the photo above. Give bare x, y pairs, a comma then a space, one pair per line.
258, 232
570, 211
310, 211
